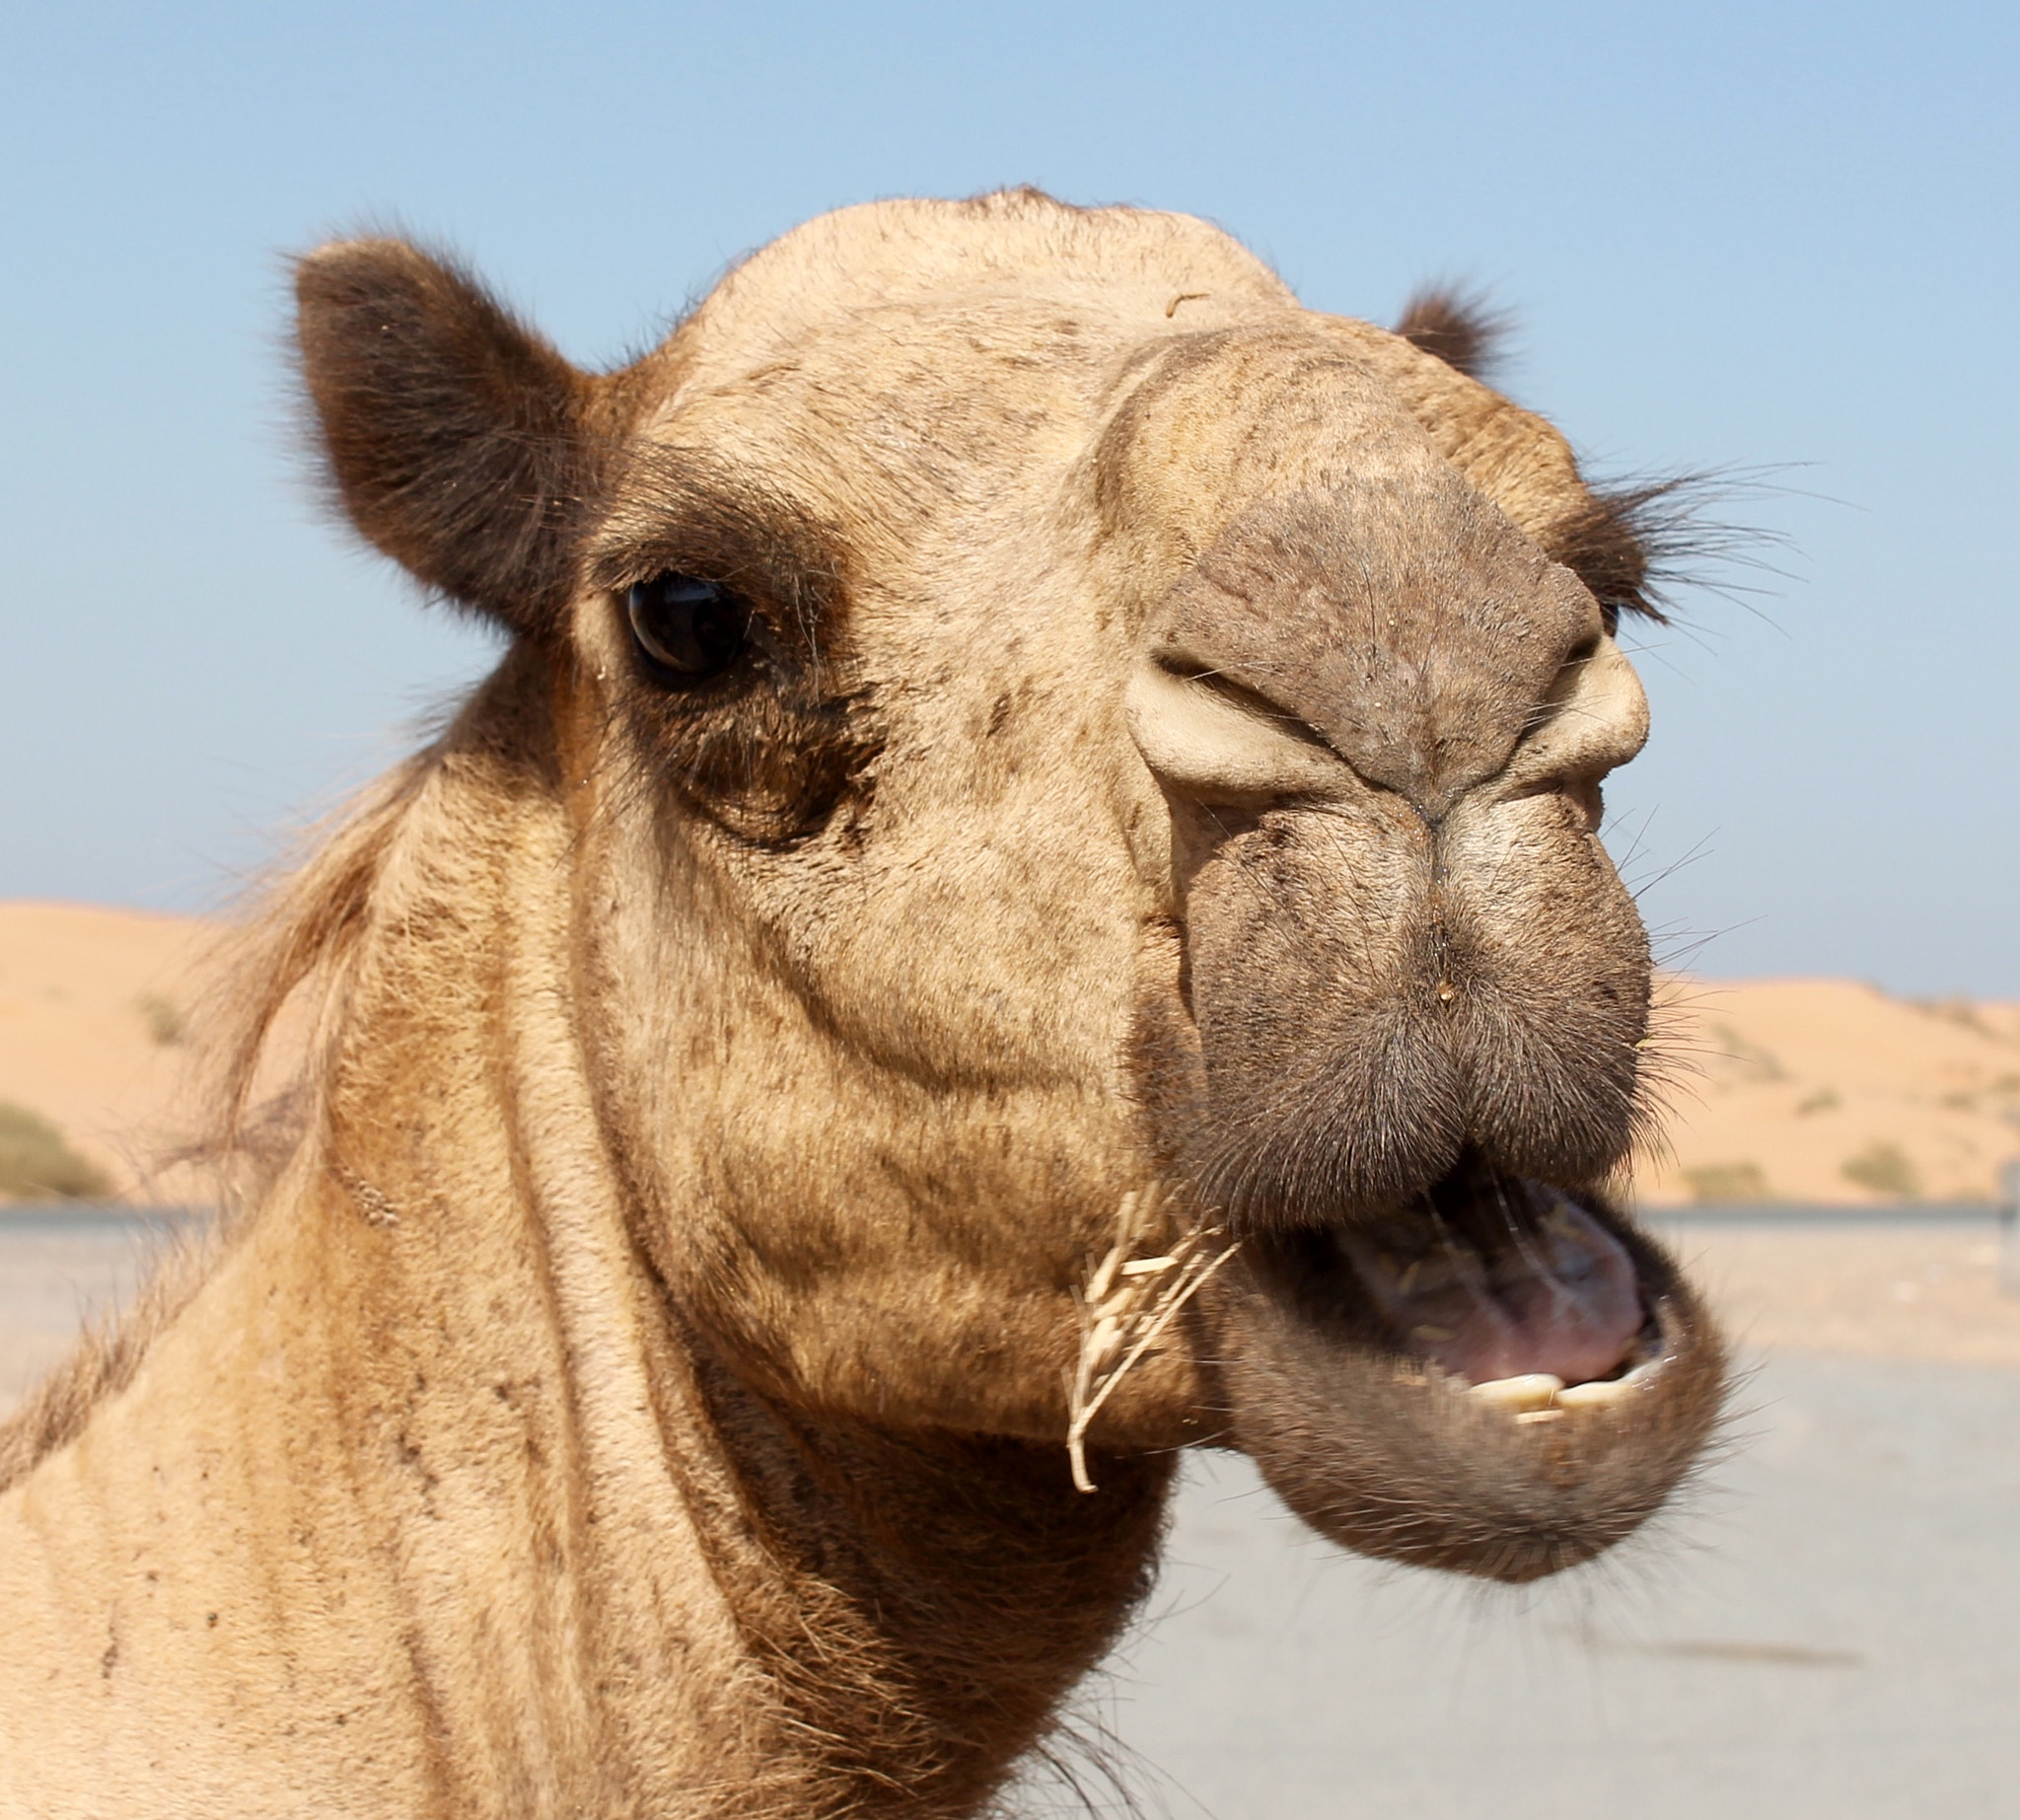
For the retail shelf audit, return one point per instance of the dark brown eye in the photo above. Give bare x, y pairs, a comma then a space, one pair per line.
687, 629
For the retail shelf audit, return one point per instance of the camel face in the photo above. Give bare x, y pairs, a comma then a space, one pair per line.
1041, 714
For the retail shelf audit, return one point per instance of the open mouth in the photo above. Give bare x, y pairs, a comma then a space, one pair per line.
1501, 1376
1510, 1288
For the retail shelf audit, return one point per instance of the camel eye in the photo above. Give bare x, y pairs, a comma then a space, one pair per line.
690, 629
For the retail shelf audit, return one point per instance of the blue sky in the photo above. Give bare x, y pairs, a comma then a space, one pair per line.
1762, 237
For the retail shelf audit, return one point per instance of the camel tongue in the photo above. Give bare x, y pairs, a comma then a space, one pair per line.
1544, 1290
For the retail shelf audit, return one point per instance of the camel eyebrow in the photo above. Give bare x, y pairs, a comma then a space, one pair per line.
1600, 544
677, 509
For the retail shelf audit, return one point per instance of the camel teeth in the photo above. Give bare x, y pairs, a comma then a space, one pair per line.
1532, 1391
1597, 1395
1605, 1392
1539, 1415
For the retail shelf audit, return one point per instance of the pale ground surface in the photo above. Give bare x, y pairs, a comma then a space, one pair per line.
1792, 1080
77, 986
1828, 1630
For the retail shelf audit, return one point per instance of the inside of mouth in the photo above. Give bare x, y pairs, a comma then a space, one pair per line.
1493, 1278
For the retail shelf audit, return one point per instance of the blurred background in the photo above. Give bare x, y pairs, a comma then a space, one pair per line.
1771, 243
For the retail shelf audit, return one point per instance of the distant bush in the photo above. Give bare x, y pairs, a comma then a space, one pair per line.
164, 1022
1959, 1011
1728, 1181
35, 1163
1885, 1169
1740, 1060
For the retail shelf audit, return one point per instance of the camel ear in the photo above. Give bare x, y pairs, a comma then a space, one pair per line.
455, 438
1461, 327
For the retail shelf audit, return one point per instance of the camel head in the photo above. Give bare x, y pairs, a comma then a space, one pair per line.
1048, 725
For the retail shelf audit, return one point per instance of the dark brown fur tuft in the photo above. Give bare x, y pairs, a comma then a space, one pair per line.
1636, 542
455, 437
1458, 326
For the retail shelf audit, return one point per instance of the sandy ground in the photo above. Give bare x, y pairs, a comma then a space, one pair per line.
1830, 1091
1892, 1291
57, 1277
1827, 1628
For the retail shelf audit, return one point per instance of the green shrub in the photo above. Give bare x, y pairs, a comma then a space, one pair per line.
36, 1164
1728, 1181
1885, 1169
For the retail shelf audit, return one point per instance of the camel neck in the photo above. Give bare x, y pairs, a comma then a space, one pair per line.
862, 1618
437, 1480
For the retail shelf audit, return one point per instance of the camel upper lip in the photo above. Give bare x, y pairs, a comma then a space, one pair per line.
1488, 1278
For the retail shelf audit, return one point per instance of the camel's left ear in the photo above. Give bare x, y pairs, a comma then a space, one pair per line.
456, 439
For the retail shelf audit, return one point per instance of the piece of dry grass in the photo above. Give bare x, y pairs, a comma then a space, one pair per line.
1127, 1303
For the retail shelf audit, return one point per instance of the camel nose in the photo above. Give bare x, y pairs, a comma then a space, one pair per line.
1210, 734
1211, 737
1593, 719
1380, 641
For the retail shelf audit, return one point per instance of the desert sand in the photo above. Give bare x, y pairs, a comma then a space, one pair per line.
95, 1007
1828, 1091
1906, 1289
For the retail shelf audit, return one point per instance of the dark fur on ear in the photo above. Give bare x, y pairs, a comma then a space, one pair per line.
457, 440
1460, 327
1636, 542
1605, 543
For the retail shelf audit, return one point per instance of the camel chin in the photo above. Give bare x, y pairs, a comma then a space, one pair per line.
1501, 1379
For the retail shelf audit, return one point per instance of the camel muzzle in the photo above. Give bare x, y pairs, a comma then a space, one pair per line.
1502, 1380
1373, 1005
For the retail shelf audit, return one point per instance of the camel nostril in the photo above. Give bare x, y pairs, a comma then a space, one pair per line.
1211, 737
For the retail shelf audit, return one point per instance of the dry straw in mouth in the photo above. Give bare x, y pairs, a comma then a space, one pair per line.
1127, 1303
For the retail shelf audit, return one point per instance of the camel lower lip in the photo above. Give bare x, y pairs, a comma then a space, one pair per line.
1493, 1278
1516, 1470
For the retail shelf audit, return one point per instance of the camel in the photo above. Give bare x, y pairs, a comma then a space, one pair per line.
1023, 896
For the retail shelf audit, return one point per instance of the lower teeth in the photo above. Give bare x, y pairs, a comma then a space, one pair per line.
1532, 1390
1537, 1392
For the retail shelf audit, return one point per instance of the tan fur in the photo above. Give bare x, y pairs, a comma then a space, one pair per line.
644, 1386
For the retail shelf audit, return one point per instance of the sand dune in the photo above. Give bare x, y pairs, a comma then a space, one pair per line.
1830, 1091
1808, 1090
93, 1005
